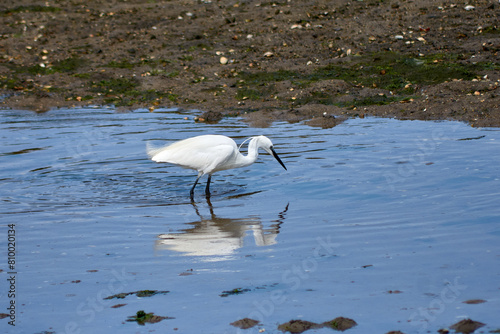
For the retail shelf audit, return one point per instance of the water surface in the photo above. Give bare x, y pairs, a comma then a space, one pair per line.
391, 223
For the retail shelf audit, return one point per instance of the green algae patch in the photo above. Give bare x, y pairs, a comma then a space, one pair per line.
340, 324
31, 9
142, 318
299, 326
236, 291
141, 293
389, 71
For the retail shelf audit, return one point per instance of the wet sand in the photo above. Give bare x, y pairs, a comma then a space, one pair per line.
288, 60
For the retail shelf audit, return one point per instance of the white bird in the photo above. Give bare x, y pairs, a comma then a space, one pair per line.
211, 153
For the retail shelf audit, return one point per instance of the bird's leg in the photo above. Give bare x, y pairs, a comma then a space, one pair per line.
192, 189
207, 189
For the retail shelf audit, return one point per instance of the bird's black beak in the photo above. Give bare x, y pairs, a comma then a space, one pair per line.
275, 155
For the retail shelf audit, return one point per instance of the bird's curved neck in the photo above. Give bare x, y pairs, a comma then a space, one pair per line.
253, 153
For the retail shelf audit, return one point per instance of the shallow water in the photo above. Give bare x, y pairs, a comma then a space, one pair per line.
391, 223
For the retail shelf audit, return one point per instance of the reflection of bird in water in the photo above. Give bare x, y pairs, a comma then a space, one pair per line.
211, 153
217, 236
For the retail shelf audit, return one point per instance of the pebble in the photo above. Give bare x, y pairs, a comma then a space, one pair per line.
268, 54
398, 37
223, 60
469, 7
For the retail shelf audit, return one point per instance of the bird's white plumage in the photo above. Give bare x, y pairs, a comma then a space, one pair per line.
206, 154
210, 153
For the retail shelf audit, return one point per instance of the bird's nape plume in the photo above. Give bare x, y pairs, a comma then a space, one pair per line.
239, 147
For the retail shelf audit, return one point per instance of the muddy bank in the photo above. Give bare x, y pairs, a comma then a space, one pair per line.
292, 60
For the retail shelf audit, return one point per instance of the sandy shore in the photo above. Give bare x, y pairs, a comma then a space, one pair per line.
288, 60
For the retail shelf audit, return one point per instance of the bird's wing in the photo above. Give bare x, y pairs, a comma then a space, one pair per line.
203, 153
218, 158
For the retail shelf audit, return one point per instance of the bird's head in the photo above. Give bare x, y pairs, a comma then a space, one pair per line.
267, 145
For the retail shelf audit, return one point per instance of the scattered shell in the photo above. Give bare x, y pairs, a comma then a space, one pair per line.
421, 39
469, 7
296, 26
398, 37
268, 54
223, 60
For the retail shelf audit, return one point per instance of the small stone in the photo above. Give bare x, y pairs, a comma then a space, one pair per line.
340, 323
245, 323
223, 60
467, 326
268, 54
474, 301
469, 7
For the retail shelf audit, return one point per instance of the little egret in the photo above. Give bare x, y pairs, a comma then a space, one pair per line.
211, 153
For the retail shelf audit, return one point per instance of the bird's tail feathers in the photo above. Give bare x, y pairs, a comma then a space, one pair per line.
151, 150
